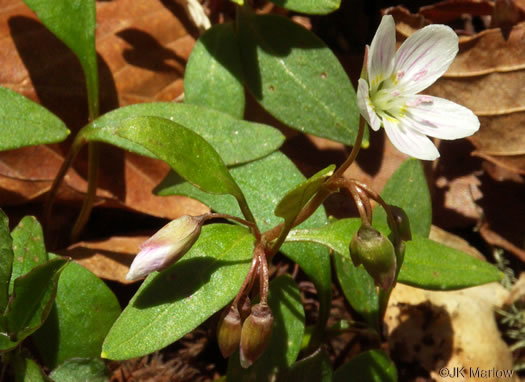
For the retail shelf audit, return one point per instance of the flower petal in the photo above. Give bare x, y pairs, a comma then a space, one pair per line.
409, 141
365, 105
382, 50
440, 118
424, 57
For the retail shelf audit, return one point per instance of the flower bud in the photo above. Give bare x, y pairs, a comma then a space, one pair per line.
229, 331
370, 248
402, 222
164, 248
256, 334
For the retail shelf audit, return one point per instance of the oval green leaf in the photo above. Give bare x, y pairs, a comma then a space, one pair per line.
26, 370
314, 368
312, 7
185, 151
369, 366
28, 248
26, 123
84, 311
287, 333
33, 296
81, 369
172, 303
73, 22
434, 266
213, 75
232, 138
408, 189
297, 78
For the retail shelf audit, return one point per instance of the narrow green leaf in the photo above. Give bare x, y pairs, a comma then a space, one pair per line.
297, 78
81, 369
28, 248
314, 368
26, 123
172, 303
358, 287
369, 366
427, 264
213, 75
312, 7
293, 202
185, 151
33, 296
232, 138
73, 22
6, 261
265, 182
407, 188
26, 370
84, 311
288, 329
430, 265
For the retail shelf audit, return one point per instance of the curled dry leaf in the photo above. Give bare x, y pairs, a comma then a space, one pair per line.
487, 77
142, 49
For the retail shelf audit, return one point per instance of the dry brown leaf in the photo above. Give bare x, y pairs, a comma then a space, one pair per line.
109, 258
431, 330
142, 51
495, 239
454, 241
487, 77
449, 10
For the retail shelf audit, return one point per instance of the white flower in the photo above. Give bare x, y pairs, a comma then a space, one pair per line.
389, 96
164, 248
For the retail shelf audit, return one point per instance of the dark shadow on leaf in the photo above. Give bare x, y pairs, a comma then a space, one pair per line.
370, 159
146, 52
180, 281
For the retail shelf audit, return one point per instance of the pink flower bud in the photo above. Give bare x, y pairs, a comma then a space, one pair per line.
167, 246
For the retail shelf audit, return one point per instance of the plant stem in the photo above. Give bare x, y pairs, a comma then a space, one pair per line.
250, 224
263, 274
87, 206
247, 280
353, 154
363, 213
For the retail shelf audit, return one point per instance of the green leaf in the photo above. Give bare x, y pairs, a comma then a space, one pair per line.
427, 264
265, 182
312, 7
26, 123
213, 75
293, 202
28, 247
232, 138
33, 296
358, 287
81, 369
297, 78
369, 366
288, 329
185, 151
26, 370
314, 368
172, 303
430, 265
73, 22
84, 311
407, 188
6, 261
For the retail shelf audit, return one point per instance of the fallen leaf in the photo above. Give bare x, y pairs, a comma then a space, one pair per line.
431, 330
493, 238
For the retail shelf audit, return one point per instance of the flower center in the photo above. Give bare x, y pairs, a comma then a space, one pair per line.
387, 100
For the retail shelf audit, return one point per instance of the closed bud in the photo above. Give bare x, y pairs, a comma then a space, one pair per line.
167, 246
256, 334
246, 307
402, 223
229, 331
372, 249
